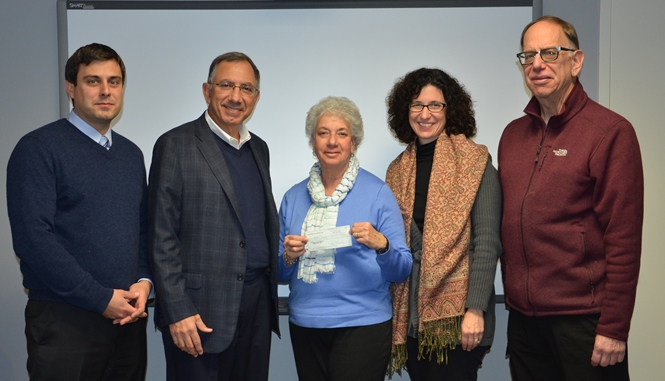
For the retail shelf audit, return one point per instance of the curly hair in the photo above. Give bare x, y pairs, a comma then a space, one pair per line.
340, 107
459, 106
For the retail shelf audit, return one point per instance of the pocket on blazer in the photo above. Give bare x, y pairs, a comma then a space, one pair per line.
193, 281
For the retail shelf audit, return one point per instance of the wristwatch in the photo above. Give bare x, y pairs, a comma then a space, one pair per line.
384, 249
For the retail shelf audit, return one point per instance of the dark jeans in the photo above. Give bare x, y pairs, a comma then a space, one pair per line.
461, 366
342, 354
68, 343
557, 348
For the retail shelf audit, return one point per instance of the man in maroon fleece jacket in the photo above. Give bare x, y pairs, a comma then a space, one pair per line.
573, 188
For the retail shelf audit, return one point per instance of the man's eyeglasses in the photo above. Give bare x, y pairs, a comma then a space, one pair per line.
432, 107
228, 87
547, 55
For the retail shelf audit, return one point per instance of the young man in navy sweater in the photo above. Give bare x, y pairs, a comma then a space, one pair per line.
76, 197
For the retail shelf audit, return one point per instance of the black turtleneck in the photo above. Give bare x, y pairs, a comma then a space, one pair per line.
424, 159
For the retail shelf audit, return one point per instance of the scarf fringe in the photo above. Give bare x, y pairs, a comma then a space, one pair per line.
397, 360
438, 336
435, 338
310, 277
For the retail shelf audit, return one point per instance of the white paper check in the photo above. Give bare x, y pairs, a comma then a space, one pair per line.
331, 238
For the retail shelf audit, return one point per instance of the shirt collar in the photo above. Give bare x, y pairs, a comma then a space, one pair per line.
87, 129
233, 142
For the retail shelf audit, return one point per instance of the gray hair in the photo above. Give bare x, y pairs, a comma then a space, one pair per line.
340, 107
233, 57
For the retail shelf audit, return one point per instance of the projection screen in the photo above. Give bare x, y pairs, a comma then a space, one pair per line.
305, 51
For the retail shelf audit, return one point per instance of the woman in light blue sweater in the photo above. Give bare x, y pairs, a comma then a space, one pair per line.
340, 304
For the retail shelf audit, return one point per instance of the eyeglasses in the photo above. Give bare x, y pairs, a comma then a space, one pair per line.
228, 87
547, 55
432, 107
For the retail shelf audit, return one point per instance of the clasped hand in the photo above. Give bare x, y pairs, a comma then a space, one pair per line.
128, 306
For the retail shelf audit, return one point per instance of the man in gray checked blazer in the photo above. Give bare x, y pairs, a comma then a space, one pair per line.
215, 235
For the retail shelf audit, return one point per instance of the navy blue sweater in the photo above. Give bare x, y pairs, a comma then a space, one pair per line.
78, 215
252, 206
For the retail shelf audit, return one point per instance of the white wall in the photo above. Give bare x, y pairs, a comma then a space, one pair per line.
29, 77
633, 84
296, 75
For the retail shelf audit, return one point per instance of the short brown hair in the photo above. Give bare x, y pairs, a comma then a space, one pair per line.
85, 55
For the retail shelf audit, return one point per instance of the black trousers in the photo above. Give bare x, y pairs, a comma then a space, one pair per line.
342, 354
557, 348
68, 343
248, 356
461, 366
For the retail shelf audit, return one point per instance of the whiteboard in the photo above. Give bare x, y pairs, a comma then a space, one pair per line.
304, 53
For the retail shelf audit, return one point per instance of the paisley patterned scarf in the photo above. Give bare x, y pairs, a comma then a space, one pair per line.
457, 170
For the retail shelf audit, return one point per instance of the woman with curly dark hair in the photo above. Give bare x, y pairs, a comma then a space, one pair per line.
449, 194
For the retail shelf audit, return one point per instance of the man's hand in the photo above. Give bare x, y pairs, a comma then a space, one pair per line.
141, 290
119, 307
607, 351
473, 327
185, 334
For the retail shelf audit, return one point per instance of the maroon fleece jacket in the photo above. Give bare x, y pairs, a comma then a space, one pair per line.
573, 200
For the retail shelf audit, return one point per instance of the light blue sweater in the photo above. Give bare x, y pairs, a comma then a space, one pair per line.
357, 294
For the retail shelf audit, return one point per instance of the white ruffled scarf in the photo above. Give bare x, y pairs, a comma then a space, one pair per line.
323, 214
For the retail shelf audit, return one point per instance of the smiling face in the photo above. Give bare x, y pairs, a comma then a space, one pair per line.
230, 109
333, 143
98, 93
426, 124
551, 82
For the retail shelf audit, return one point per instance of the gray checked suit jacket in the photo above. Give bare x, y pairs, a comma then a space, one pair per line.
197, 244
